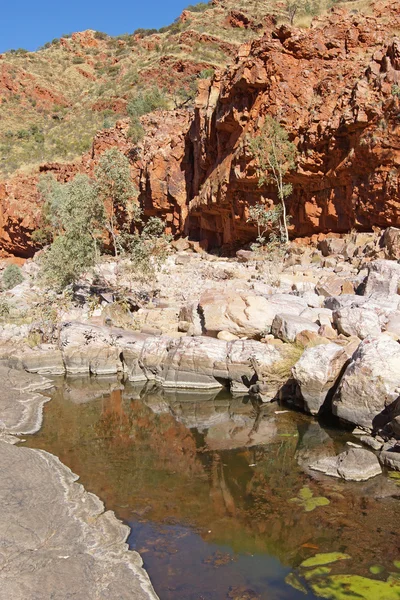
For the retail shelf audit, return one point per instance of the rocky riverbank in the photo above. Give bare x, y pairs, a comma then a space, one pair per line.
57, 539
318, 330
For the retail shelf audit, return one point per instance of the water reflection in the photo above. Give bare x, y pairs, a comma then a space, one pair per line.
212, 487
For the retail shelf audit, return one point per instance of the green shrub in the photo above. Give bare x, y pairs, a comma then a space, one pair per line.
74, 214
100, 35
136, 131
12, 276
200, 7
206, 73
147, 101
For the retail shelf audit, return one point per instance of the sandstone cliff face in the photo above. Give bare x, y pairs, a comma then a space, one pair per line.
333, 87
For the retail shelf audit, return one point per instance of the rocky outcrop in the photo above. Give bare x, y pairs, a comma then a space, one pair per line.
336, 102
331, 87
186, 362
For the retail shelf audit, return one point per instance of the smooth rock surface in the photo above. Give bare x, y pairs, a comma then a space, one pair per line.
286, 327
57, 540
354, 464
369, 384
360, 322
317, 372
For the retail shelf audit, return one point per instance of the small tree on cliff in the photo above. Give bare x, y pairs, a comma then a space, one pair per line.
115, 190
275, 156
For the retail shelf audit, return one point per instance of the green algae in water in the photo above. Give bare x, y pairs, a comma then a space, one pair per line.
355, 587
317, 572
308, 501
376, 569
395, 476
324, 559
295, 583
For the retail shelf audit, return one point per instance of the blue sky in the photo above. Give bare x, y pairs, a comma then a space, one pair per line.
30, 23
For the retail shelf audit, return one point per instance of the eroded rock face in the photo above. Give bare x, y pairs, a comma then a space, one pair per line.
186, 362
330, 86
314, 81
370, 383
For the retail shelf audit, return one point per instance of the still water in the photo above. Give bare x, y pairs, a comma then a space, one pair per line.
219, 497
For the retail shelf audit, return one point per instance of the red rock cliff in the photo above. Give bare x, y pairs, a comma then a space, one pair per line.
333, 87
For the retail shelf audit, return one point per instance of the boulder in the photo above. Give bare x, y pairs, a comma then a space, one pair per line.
391, 458
317, 372
383, 279
369, 384
286, 327
354, 464
330, 246
248, 315
331, 285
313, 300
393, 324
390, 241
360, 322
44, 359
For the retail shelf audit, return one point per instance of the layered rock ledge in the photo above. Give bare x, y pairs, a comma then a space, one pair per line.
57, 539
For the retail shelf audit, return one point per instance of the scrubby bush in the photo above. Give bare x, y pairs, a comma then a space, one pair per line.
200, 7
100, 35
142, 103
147, 250
75, 213
147, 101
12, 276
275, 156
114, 188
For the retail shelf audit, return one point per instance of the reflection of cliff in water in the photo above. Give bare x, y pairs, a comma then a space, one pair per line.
220, 464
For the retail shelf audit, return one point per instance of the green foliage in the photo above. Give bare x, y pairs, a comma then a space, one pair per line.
147, 250
396, 90
309, 502
74, 213
12, 276
100, 35
144, 32
142, 103
200, 7
147, 101
67, 258
5, 309
206, 73
115, 190
275, 156
268, 221
136, 131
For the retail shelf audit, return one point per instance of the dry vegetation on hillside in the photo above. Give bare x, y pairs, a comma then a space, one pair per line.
54, 100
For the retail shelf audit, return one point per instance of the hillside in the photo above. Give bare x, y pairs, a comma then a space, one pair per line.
332, 81
54, 100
